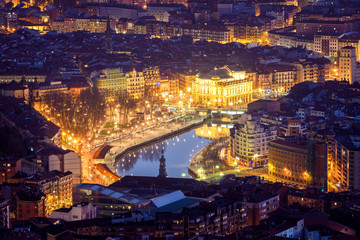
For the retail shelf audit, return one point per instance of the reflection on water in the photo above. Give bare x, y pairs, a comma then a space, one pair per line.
151, 153
212, 132
178, 151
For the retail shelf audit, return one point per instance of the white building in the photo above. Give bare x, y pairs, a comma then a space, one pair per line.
294, 231
161, 11
80, 211
67, 161
249, 142
349, 68
327, 44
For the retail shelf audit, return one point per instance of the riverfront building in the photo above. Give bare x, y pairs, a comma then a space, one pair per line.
135, 83
249, 142
222, 87
299, 162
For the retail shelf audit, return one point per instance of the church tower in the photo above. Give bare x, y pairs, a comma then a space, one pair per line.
162, 168
108, 38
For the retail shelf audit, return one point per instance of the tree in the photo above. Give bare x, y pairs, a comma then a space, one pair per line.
76, 114
151, 98
127, 103
93, 108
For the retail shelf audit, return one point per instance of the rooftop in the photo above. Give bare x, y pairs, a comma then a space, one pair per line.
117, 194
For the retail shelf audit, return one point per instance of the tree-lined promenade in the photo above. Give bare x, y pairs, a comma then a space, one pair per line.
85, 118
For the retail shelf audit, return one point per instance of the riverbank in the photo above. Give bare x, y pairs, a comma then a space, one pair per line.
139, 140
207, 162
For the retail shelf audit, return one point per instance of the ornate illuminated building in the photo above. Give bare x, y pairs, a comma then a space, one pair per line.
226, 86
135, 83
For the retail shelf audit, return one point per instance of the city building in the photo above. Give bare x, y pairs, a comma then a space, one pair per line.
91, 24
152, 76
282, 78
56, 186
108, 38
350, 39
298, 162
311, 198
80, 211
349, 68
259, 205
268, 106
327, 44
161, 11
7, 78
111, 81
8, 168
221, 87
108, 200
293, 127
249, 142
135, 83
343, 163
185, 81
4, 213
16, 90
54, 158
28, 204
221, 216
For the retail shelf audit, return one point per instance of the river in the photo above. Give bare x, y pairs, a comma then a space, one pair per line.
178, 151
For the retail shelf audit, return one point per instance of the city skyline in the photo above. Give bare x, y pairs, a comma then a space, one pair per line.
180, 119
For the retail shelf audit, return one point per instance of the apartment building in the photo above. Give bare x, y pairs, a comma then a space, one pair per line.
57, 187
343, 162
111, 81
29, 204
135, 83
300, 162
259, 205
250, 141
327, 44
349, 68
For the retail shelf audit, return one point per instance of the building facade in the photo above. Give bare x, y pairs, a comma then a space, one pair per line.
222, 87
108, 201
56, 186
4, 213
259, 205
8, 168
111, 81
349, 68
299, 162
29, 204
135, 83
249, 142
344, 166
288, 162
80, 211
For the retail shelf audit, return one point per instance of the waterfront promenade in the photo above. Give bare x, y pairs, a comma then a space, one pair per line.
132, 142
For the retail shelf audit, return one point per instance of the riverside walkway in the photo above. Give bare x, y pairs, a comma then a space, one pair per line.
133, 141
